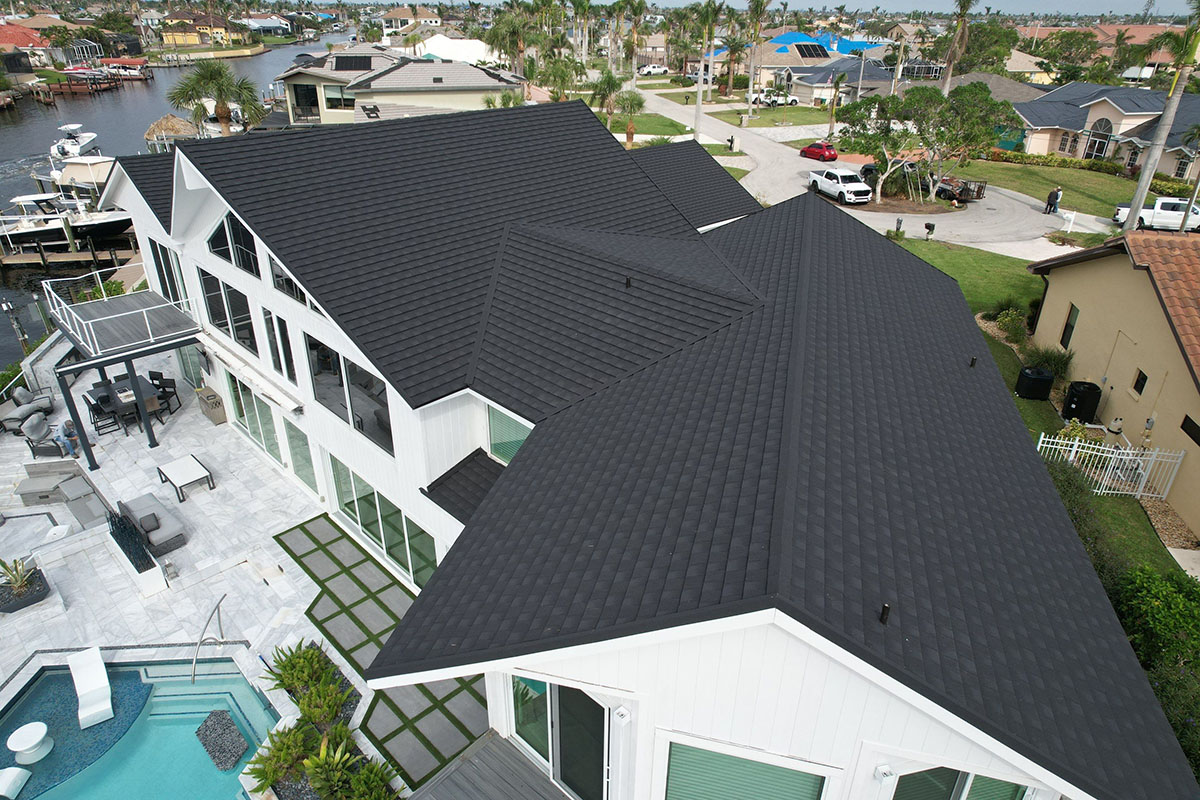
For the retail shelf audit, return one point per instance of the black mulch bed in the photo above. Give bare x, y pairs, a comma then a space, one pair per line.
37, 590
222, 740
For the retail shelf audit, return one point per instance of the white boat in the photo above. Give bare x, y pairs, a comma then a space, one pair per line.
75, 142
82, 172
212, 127
41, 217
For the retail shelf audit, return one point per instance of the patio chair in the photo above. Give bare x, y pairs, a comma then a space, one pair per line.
127, 415
39, 437
12, 781
22, 406
103, 421
91, 684
154, 406
155, 377
167, 391
124, 376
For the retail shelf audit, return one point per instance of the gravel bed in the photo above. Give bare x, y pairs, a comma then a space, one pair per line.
1171, 528
222, 740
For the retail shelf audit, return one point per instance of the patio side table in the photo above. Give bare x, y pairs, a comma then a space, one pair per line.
31, 743
183, 472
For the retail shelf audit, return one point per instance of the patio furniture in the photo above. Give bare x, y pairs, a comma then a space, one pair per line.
118, 400
40, 490
12, 781
161, 530
103, 421
154, 406
185, 471
22, 406
39, 437
91, 685
166, 391
31, 743
50, 448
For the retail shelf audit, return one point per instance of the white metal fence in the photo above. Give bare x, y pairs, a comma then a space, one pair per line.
1135, 471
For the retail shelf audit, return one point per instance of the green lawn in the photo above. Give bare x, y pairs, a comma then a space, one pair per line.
1039, 415
279, 40
984, 277
655, 85
737, 173
1077, 239
1089, 192
649, 124
1128, 530
768, 117
800, 144
50, 76
721, 150
687, 98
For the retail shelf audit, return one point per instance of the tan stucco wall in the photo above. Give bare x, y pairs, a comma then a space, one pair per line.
328, 115
1122, 328
462, 101
1120, 122
1042, 142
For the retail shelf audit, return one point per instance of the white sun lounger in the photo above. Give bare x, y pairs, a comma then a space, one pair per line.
12, 781
91, 684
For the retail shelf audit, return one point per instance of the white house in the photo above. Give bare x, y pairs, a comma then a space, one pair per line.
717, 515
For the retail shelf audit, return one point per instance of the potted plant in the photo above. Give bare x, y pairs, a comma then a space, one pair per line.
20, 585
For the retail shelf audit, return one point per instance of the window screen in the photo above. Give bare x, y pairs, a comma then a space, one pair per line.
991, 789
505, 434
696, 774
932, 784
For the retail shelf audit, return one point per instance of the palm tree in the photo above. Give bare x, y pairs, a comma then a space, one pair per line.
958, 42
511, 33
214, 80
582, 9
604, 94
413, 41
737, 44
559, 76
719, 9
630, 104
1182, 47
637, 10
1191, 140
706, 17
833, 102
756, 13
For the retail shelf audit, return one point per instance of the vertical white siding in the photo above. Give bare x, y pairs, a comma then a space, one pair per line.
452, 429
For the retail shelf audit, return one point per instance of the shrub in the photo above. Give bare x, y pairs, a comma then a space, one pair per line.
1090, 164
372, 781
681, 80
286, 749
298, 668
1000, 306
1035, 310
16, 574
1052, 358
322, 703
1012, 322
895, 235
339, 734
329, 773
656, 141
1161, 614
896, 184
1165, 185
1074, 429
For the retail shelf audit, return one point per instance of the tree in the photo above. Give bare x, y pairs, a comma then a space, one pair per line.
630, 104
371, 32
115, 21
988, 47
952, 128
214, 80
1066, 54
583, 10
958, 44
1182, 47
1191, 140
604, 91
838, 80
737, 45
560, 75
756, 13
706, 17
719, 9
413, 41
878, 126
512, 32
637, 10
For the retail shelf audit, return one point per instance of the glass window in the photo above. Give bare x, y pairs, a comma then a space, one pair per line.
698, 774
218, 243
505, 434
531, 706
338, 98
1139, 382
343, 487
369, 405
932, 784
301, 455
393, 533
254, 416
191, 362
1181, 167
214, 301
1063, 143
1069, 327
245, 255
239, 315
284, 283
368, 511
235, 396
984, 788
422, 551
166, 266
325, 366
1131, 161
280, 345
269, 439
1191, 428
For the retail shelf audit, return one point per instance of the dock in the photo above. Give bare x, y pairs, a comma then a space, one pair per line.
42, 258
84, 85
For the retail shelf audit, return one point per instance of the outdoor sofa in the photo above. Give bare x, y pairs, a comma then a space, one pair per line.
22, 406
161, 530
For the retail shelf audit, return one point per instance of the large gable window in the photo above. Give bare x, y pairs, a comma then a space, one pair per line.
694, 773
233, 242
229, 311
351, 392
505, 434
284, 283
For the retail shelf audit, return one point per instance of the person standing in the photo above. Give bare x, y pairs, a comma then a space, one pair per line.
1050, 201
1057, 199
68, 438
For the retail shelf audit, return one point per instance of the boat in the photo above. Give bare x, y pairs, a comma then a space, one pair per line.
45, 218
85, 173
75, 142
127, 68
212, 127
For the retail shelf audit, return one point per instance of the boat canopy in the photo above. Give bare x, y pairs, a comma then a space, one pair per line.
26, 199
125, 61
71, 127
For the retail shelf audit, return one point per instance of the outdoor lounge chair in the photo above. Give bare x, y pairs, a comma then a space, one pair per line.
12, 781
23, 406
161, 530
39, 437
91, 684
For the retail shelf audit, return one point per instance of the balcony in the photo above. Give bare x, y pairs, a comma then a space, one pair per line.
306, 114
105, 324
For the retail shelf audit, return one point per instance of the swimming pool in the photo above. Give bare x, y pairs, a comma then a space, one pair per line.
149, 749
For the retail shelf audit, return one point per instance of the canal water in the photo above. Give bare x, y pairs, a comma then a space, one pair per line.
120, 118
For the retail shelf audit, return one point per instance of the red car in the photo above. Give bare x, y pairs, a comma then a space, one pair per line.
821, 151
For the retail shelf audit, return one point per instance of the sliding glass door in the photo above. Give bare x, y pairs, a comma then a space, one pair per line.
253, 415
568, 730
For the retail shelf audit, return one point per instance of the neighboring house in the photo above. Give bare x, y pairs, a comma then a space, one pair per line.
17, 38
468, 51
267, 24
1130, 311
401, 17
1088, 120
652, 49
784, 50
907, 32
150, 18
39, 23
815, 85
1024, 66
188, 29
709, 514
327, 88
1106, 38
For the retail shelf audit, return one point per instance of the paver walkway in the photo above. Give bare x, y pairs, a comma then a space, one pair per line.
420, 728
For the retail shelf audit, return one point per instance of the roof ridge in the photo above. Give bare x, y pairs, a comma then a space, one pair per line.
477, 348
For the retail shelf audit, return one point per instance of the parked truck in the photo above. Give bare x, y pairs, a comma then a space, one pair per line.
1166, 215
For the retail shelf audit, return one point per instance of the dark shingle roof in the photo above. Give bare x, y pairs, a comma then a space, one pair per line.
1068, 107
462, 488
823, 453
697, 185
153, 176
438, 192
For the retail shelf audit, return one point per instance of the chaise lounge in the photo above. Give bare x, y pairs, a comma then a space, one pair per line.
12, 781
161, 530
91, 684
22, 406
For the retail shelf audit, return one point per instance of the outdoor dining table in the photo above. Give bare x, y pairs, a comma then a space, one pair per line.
120, 390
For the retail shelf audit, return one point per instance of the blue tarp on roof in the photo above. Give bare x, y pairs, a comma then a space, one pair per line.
845, 46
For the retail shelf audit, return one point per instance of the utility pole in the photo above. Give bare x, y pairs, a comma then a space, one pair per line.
899, 66
862, 63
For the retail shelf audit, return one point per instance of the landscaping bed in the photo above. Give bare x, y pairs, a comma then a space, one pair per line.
317, 758
902, 205
35, 589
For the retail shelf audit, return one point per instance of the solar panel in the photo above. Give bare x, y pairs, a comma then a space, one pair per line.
351, 63
811, 51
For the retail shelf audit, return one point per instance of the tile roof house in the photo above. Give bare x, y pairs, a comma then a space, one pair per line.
1106, 37
1130, 310
1089, 120
329, 88
400, 17
17, 37
743, 529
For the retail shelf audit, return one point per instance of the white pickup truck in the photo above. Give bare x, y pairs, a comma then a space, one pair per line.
1166, 214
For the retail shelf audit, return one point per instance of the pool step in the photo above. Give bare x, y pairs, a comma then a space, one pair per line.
199, 705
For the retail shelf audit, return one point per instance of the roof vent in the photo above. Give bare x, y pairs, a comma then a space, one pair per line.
439, 80
372, 112
884, 613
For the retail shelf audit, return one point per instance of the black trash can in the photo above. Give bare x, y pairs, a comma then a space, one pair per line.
1034, 383
1083, 398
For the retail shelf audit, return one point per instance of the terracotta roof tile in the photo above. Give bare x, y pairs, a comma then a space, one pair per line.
1173, 260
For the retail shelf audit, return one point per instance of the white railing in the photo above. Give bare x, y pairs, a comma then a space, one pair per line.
1134, 471
6, 392
84, 330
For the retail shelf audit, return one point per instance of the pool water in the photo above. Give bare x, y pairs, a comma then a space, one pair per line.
158, 755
